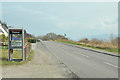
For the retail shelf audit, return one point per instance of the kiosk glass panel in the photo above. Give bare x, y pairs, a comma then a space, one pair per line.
16, 40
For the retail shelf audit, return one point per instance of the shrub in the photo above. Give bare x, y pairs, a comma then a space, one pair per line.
3, 38
31, 40
96, 41
84, 40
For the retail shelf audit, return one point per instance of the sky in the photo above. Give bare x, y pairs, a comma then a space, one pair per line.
76, 19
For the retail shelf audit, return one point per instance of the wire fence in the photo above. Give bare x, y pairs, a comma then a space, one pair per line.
3, 45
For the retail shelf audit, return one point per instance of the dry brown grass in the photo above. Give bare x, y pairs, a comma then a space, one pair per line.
96, 43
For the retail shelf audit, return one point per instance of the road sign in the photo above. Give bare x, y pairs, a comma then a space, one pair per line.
16, 41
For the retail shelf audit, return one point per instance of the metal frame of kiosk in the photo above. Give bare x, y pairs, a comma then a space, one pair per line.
11, 40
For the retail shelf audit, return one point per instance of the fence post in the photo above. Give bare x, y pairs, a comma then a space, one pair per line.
25, 52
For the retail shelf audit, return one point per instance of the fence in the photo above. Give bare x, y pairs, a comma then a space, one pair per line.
16, 53
27, 50
4, 45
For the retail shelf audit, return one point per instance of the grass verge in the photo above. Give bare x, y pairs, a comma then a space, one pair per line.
5, 62
90, 46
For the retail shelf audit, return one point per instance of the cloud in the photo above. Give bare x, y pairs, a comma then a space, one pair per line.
109, 25
66, 25
110, 21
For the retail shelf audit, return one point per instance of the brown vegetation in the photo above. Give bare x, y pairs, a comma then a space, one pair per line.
107, 45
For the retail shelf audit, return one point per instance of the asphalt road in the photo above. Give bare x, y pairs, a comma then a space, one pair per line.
43, 65
84, 63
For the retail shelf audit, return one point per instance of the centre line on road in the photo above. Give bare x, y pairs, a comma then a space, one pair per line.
84, 55
111, 65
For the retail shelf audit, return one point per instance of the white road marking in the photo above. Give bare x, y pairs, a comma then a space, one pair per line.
84, 55
111, 65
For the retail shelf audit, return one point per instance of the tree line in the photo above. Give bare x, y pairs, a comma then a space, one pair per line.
52, 36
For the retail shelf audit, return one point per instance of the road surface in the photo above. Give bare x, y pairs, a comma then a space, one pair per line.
43, 65
84, 63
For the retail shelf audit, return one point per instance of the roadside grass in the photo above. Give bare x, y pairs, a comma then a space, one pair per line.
31, 55
4, 55
90, 46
